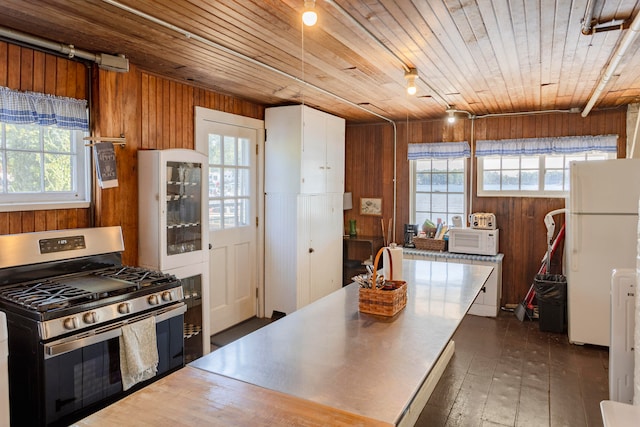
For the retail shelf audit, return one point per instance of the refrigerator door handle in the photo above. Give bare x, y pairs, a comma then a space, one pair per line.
575, 241
574, 190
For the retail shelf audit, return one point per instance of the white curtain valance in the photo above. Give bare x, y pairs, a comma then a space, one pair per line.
559, 145
45, 110
439, 150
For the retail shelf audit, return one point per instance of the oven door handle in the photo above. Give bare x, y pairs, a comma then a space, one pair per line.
68, 344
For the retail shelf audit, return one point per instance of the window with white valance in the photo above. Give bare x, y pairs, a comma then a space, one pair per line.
439, 150
536, 167
43, 159
438, 177
558, 145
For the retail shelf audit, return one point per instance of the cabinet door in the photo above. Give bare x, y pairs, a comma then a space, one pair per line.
313, 156
335, 154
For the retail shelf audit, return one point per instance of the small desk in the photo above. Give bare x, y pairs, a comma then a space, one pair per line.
356, 250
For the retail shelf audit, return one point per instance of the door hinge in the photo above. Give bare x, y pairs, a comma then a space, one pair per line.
257, 150
257, 222
257, 293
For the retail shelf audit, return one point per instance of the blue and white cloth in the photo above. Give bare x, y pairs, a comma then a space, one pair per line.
45, 110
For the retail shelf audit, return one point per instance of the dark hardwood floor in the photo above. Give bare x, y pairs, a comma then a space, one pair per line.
507, 373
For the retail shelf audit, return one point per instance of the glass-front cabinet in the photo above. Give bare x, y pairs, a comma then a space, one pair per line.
184, 207
173, 231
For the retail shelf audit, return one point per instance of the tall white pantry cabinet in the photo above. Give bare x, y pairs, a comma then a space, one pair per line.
304, 184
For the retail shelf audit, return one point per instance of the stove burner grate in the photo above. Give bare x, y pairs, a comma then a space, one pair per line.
43, 296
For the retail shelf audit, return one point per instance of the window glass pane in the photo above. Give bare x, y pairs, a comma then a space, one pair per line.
423, 165
529, 180
510, 180
439, 203
229, 182
554, 162
23, 137
215, 182
423, 182
215, 150
2, 189
243, 182
229, 213
456, 165
553, 180
215, 214
492, 163
573, 158
456, 182
439, 183
491, 180
24, 172
530, 162
57, 140
243, 212
439, 165
510, 163
229, 150
423, 202
455, 203
243, 152
57, 176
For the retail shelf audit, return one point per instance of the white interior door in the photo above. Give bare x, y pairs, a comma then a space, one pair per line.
234, 145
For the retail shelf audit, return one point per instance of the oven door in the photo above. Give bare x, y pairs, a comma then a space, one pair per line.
82, 372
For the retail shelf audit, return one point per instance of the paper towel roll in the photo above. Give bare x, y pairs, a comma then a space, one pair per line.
396, 260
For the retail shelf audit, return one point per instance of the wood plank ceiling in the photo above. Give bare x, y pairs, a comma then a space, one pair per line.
479, 56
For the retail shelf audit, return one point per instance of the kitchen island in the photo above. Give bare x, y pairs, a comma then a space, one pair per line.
323, 359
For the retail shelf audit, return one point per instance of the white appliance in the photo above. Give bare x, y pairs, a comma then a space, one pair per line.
473, 241
623, 308
483, 220
4, 375
602, 223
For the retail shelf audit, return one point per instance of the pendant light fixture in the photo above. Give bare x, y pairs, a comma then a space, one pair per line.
451, 116
309, 16
410, 76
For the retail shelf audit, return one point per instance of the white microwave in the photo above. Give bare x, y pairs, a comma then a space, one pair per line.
473, 241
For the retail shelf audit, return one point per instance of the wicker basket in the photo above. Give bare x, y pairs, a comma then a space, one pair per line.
384, 302
429, 244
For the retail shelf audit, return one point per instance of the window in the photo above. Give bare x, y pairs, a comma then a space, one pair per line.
439, 189
43, 160
229, 187
438, 177
536, 167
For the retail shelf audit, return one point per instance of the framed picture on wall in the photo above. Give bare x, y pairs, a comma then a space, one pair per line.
370, 206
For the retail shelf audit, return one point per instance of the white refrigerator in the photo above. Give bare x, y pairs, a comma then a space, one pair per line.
602, 227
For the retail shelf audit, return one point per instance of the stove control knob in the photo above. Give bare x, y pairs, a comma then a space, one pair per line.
153, 300
124, 308
70, 323
167, 296
90, 317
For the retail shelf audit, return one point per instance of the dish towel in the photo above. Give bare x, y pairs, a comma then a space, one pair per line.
138, 352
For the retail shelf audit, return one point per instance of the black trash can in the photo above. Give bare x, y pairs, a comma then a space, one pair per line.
551, 293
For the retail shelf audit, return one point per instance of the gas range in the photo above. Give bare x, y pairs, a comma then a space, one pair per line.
65, 295
68, 299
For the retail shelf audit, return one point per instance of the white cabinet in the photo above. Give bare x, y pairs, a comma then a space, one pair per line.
309, 145
173, 232
304, 183
487, 303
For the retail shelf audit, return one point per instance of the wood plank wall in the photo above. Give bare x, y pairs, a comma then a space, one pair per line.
150, 111
29, 70
369, 173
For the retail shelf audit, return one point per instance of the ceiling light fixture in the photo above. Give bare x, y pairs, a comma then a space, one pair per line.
309, 16
451, 118
410, 76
